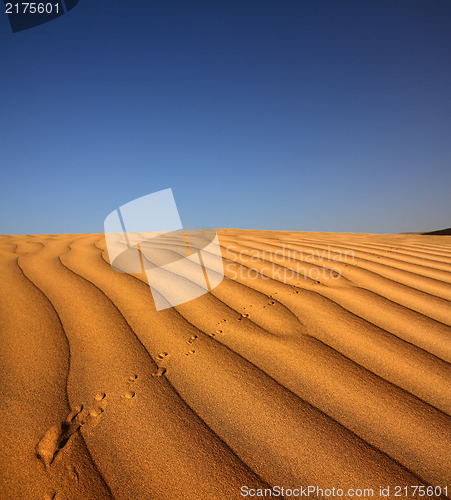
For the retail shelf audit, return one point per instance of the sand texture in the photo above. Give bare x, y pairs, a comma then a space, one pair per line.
330, 370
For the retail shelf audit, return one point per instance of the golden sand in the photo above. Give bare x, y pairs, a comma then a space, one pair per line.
329, 369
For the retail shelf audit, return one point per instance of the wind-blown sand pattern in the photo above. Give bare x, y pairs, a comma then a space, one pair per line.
339, 378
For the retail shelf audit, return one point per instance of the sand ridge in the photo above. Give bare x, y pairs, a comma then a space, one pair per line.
337, 374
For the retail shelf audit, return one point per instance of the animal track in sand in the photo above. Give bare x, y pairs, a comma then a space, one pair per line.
72, 471
162, 355
190, 352
191, 339
96, 412
133, 377
160, 372
129, 395
56, 438
99, 396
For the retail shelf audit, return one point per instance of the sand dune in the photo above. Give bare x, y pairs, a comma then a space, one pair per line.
321, 360
446, 231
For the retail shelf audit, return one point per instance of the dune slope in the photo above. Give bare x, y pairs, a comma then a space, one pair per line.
321, 360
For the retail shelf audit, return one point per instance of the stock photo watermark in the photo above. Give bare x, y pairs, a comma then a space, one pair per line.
145, 237
405, 491
25, 15
286, 263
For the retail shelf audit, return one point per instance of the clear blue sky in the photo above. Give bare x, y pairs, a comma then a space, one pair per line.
316, 115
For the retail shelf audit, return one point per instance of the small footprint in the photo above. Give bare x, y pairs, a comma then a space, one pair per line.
129, 395
191, 339
99, 396
162, 355
133, 377
56, 438
160, 372
96, 412
72, 471
190, 352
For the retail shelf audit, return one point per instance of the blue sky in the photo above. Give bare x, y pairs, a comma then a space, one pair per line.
314, 115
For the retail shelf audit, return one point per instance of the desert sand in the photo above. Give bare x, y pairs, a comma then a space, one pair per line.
330, 369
